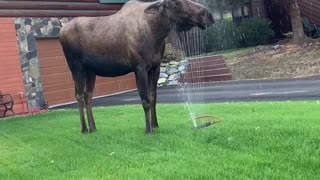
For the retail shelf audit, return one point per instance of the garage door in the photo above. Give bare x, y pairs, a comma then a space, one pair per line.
57, 80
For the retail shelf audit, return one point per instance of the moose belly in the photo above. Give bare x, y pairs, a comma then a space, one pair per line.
109, 68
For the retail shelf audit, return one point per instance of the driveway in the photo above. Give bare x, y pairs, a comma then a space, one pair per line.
232, 91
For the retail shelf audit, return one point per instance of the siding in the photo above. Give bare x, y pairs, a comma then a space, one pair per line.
311, 10
11, 81
258, 8
55, 8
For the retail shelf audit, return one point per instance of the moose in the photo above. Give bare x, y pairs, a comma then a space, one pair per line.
131, 40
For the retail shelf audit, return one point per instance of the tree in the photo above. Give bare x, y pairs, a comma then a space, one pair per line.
297, 28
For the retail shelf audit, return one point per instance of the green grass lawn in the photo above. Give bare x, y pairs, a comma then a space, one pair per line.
255, 141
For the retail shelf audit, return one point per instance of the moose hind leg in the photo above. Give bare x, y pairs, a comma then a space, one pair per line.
142, 84
79, 93
153, 82
90, 82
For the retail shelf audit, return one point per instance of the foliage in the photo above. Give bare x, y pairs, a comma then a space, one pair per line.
222, 35
255, 141
225, 34
255, 31
172, 54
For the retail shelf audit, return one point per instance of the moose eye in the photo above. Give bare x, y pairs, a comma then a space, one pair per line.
176, 3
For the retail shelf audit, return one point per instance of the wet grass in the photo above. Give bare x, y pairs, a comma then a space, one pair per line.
255, 141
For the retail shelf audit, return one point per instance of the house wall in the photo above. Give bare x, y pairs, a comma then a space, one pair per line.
11, 81
259, 8
56, 8
311, 10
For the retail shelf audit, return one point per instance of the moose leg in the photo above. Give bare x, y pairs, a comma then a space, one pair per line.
142, 85
90, 82
153, 82
79, 93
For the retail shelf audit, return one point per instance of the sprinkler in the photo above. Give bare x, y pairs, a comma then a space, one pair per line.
207, 124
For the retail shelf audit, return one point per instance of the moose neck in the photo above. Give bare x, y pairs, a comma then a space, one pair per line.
161, 26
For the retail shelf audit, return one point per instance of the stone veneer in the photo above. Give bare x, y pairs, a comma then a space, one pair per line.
28, 29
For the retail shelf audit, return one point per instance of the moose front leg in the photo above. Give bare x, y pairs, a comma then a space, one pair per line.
142, 85
153, 83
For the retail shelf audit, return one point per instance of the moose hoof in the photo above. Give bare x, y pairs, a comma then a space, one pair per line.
84, 131
155, 126
93, 130
148, 132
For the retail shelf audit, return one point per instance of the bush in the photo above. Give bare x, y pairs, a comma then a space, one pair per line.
255, 31
222, 35
225, 34
172, 54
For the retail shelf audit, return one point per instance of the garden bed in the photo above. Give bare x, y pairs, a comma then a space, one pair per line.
275, 62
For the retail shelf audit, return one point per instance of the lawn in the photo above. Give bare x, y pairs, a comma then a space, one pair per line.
255, 141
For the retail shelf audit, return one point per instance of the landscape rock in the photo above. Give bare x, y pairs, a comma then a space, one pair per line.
173, 77
162, 80
173, 83
163, 75
172, 71
181, 68
276, 47
163, 69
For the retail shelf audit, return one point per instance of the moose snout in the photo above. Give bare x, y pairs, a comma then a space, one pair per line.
208, 19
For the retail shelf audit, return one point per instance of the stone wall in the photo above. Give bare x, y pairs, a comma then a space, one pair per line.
28, 29
170, 72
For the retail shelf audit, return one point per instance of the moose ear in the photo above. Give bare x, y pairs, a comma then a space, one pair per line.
156, 7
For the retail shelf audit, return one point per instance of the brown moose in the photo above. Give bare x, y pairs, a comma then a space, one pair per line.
132, 40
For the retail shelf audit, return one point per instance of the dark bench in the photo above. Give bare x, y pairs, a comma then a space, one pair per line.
6, 103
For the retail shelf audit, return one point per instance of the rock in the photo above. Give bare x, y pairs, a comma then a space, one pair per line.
163, 75
173, 77
276, 47
181, 68
174, 63
163, 69
173, 83
174, 66
172, 71
162, 80
34, 71
164, 64
64, 21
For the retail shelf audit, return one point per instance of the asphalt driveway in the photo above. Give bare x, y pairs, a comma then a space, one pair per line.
233, 91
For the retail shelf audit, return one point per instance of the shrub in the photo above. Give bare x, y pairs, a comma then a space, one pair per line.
172, 54
255, 31
225, 34
221, 36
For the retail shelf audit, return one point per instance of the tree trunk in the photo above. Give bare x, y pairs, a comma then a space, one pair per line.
221, 14
297, 29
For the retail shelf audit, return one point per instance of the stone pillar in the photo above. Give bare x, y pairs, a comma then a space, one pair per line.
29, 63
27, 30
